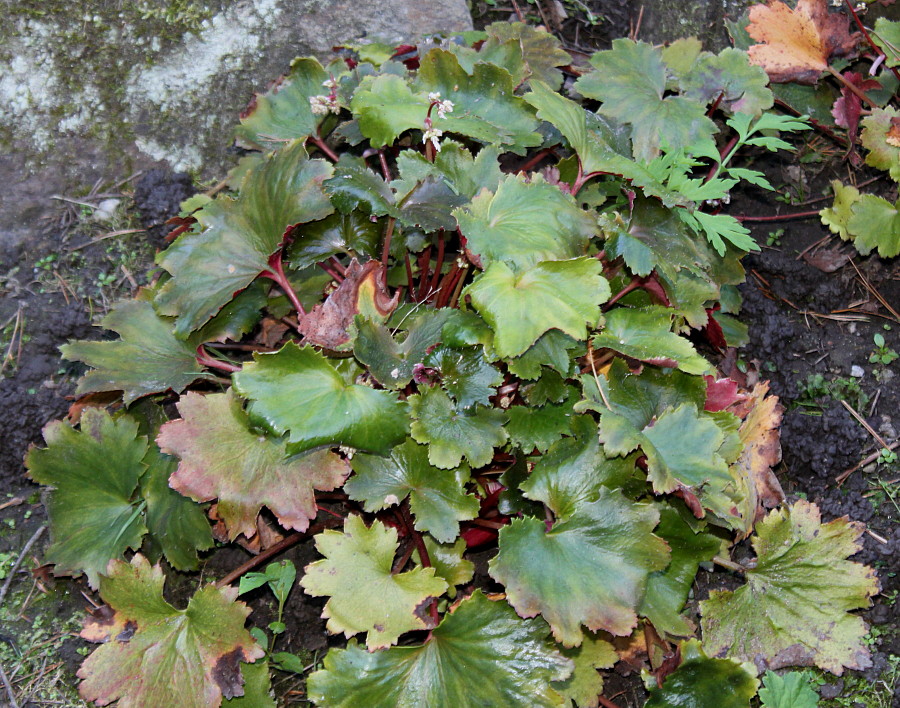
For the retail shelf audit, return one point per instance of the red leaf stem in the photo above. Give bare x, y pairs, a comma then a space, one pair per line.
276, 273
388, 233
204, 359
432, 288
323, 146
779, 217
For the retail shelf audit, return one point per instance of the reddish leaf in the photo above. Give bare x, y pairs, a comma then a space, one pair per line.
720, 393
363, 290
847, 108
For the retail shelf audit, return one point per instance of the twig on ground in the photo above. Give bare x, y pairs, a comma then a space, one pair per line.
15, 501
842, 477
871, 288
863, 423
8, 687
12, 571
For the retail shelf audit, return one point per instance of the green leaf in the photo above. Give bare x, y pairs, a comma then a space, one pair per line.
452, 433
354, 234
549, 388
791, 690
573, 471
485, 106
392, 363
257, 687
239, 235
884, 153
146, 359
283, 112
794, 608
236, 319
630, 80
466, 176
645, 334
551, 349
643, 397
837, 216
94, 474
437, 498
298, 391
363, 595
718, 229
465, 375
430, 204
524, 223
585, 685
887, 37
667, 590
175, 522
701, 682
538, 428
743, 87
354, 185
386, 107
586, 134
147, 639
448, 562
524, 51
520, 307
482, 644
222, 458
590, 569
875, 223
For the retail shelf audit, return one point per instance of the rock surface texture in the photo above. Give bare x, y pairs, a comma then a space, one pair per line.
92, 88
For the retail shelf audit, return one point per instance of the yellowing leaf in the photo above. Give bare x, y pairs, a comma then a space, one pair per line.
796, 45
364, 596
155, 655
221, 458
794, 608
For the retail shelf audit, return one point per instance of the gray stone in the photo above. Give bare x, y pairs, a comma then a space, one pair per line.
668, 20
97, 88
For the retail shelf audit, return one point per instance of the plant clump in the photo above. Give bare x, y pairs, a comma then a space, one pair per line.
445, 308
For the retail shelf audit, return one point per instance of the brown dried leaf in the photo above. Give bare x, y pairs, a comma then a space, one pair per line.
893, 134
796, 45
363, 291
762, 449
827, 260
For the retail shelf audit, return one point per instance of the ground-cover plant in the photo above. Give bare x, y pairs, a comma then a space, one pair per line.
448, 308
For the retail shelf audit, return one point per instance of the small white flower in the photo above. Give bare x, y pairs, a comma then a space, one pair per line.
443, 108
331, 84
320, 105
434, 96
433, 134
323, 105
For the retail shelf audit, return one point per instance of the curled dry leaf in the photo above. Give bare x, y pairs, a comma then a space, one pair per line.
796, 45
363, 291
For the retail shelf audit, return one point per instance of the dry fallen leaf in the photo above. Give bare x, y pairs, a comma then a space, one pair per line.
762, 447
893, 134
363, 290
828, 260
796, 45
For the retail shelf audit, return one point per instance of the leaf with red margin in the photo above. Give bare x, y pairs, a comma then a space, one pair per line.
362, 292
221, 457
239, 236
161, 656
798, 44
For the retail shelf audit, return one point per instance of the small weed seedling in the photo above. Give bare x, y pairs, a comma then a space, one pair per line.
882, 354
